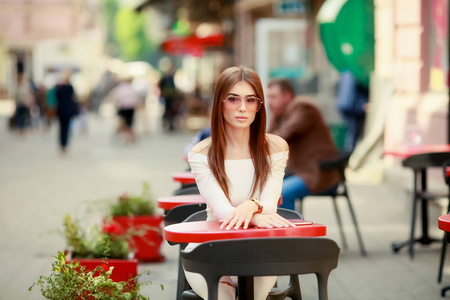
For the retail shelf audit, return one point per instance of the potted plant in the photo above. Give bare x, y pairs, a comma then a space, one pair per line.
102, 245
138, 212
73, 281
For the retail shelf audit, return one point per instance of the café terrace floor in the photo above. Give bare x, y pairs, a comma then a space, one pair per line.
38, 187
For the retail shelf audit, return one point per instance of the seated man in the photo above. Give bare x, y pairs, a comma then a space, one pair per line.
300, 123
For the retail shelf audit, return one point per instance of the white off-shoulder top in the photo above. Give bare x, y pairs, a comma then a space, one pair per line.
241, 177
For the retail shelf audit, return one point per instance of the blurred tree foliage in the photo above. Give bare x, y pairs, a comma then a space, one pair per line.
126, 33
110, 8
130, 34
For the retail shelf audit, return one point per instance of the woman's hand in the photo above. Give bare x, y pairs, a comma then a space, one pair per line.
270, 221
241, 215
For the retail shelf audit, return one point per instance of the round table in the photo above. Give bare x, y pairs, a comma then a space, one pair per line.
407, 151
204, 231
167, 203
184, 177
420, 192
444, 223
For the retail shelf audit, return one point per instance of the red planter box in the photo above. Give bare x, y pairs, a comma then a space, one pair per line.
146, 247
124, 269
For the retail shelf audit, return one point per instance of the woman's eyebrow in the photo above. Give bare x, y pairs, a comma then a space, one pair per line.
240, 95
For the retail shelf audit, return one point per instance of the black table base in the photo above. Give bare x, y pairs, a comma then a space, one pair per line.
245, 287
423, 196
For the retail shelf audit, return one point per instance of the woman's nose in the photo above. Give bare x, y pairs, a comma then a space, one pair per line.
242, 107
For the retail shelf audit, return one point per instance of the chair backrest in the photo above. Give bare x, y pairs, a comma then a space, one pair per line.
338, 163
197, 216
188, 189
262, 257
179, 213
289, 214
422, 161
446, 169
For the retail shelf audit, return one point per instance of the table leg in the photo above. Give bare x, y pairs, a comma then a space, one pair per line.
245, 287
425, 239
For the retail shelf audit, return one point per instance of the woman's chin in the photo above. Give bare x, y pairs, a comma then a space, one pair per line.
241, 125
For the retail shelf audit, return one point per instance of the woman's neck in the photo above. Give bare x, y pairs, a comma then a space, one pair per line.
237, 142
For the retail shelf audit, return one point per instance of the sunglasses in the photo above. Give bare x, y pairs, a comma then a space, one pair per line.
251, 102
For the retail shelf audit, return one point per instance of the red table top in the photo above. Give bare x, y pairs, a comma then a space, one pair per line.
405, 151
173, 201
204, 231
444, 223
184, 177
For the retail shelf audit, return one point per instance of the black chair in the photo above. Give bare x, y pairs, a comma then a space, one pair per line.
419, 164
187, 189
292, 290
262, 257
176, 215
446, 239
179, 213
182, 284
340, 164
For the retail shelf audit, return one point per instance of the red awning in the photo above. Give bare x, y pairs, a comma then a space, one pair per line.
191, 45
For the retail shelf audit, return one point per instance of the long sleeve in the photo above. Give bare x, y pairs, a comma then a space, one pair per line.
209, 188
298, 121
272, 189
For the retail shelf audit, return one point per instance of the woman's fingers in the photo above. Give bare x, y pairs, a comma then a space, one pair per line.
247, 221
237, 219
272, 220
282, 222
233, 222
227, 220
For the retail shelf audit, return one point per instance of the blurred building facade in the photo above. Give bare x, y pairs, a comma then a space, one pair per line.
197, 35
280, 38
411, 51
42, 37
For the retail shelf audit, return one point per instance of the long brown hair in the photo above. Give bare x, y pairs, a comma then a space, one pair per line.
259, 148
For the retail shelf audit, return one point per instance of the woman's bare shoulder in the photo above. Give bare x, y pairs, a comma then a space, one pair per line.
202, 147
276, 143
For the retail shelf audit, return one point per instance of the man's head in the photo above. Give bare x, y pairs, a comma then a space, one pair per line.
279, 93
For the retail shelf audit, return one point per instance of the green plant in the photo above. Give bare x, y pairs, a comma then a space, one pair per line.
100, 242
70, 281
131, 205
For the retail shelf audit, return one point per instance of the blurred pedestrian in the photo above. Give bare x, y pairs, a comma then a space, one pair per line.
301, 124
24, 100
127, 99
51, 106
168, 92
352, 98
67, 108
41, 106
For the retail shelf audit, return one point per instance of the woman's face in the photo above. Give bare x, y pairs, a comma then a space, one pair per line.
240, 105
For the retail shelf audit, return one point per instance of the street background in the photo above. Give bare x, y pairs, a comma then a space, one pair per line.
394, 53
39, 186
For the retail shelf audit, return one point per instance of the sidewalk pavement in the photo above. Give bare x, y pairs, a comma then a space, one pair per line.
39, 186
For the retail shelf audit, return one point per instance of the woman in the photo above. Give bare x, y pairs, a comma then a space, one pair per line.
239, 170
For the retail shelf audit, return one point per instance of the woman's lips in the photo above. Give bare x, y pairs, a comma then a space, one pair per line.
242, 119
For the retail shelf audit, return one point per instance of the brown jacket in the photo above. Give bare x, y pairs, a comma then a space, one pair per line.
310, 142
